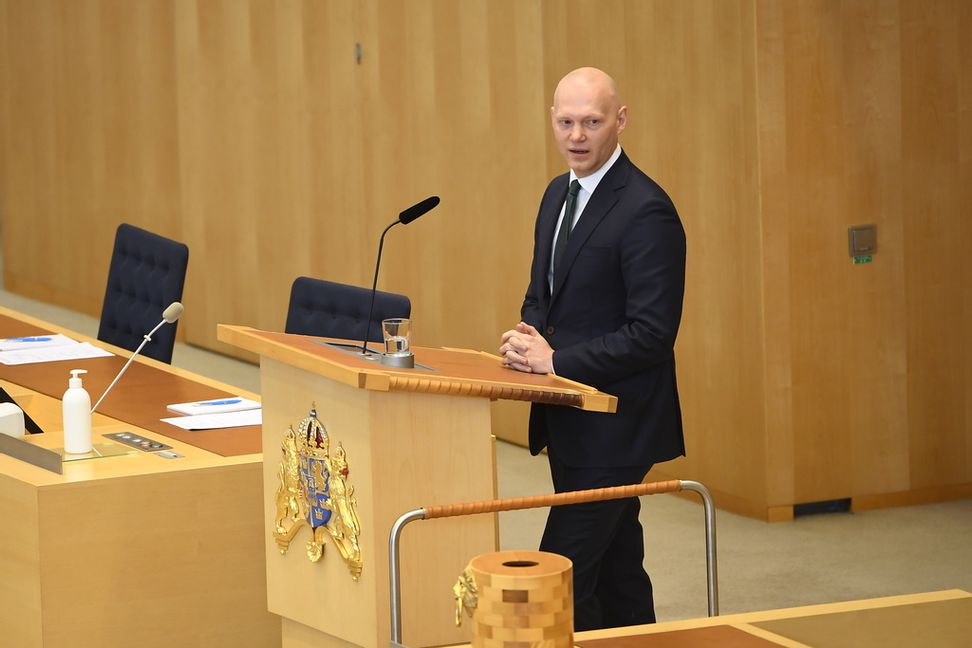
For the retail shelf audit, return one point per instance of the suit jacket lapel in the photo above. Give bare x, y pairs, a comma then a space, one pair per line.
604, 198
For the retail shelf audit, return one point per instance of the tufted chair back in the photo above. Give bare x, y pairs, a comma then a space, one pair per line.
329, 309
147, 274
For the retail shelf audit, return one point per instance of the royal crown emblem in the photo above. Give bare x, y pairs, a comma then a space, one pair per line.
314, 491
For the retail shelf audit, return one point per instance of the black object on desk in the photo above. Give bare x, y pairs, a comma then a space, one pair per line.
29, 425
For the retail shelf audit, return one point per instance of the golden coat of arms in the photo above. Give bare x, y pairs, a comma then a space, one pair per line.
314, 490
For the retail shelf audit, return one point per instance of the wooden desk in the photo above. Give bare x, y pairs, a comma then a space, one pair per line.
941, 619
134, 550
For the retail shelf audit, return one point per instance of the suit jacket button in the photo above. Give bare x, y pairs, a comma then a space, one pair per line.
550, 330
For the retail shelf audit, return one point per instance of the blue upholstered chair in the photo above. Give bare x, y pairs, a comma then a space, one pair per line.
147, 274
329, 309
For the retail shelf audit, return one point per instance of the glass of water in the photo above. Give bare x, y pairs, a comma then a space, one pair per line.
397, 332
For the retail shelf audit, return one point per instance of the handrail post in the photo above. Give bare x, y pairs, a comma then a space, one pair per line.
712, 569
395, 573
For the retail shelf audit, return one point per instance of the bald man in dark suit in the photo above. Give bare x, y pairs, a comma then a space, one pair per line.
602, 308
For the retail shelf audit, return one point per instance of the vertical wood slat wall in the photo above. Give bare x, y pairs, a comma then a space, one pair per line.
250, 131
865, 116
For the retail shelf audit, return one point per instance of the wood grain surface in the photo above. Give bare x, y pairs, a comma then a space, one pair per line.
255, 133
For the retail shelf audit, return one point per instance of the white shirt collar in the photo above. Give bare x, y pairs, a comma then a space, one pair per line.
589, 183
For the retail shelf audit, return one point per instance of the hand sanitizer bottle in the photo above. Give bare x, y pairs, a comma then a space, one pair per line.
76, 409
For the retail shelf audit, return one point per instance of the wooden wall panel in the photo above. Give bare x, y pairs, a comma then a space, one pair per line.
964, 144
775, 257
88, 137
456, 108
935, 251
313, 154
237, 146
812, 105
249, 130
875, 382
5, 77
30, 67
867, 369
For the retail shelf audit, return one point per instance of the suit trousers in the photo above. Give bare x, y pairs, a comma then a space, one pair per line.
605, 542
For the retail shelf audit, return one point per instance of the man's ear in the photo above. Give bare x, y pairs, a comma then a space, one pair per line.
622, 118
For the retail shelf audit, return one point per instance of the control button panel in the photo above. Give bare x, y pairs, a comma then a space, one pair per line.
137, 441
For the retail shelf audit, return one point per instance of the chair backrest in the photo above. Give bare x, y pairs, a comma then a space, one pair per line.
329, 309
146, 274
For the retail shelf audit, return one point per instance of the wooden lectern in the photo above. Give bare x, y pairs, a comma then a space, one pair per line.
412, 438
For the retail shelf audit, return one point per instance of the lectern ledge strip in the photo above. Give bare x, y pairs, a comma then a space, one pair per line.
32, 454
429, 386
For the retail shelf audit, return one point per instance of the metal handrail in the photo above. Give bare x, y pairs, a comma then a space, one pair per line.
542, 501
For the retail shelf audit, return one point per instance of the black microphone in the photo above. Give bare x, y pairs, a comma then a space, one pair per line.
418, 209
170, 315
406, 217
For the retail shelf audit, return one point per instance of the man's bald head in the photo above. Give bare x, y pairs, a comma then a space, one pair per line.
591, 80
587, 117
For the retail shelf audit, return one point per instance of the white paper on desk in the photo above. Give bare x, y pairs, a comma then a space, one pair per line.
214, 406
35, 342
78, 351
215, 421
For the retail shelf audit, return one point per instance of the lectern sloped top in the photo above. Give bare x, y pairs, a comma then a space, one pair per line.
452, 372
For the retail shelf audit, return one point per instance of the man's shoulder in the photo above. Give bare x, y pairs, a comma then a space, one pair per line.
643, 184
558, 182
623, 174
556, 188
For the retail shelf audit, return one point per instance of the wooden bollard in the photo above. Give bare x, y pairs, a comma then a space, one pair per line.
519, 596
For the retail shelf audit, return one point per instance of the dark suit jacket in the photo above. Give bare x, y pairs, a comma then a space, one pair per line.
612, 320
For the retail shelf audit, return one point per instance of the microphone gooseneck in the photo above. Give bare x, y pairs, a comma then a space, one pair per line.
170, 315
406, 217
374, 288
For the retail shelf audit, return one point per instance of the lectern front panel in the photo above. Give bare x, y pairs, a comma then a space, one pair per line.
402, 451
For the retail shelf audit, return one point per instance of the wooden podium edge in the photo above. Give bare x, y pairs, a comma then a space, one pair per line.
244, 337
572, 394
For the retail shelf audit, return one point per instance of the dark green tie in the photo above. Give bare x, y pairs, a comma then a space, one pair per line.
566, 225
